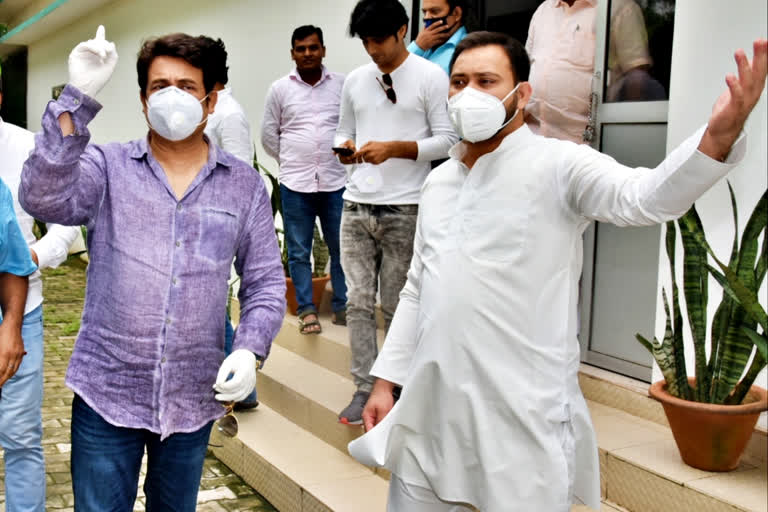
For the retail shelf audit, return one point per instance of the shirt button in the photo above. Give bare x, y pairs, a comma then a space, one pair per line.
178, 207
162, 360
167, 320
178, 244
76, 101
173, 280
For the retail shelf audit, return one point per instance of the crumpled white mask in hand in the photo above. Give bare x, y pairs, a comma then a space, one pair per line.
174, 114
367, 178
477, 115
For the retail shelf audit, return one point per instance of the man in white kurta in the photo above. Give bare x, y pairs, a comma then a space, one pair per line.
484, 338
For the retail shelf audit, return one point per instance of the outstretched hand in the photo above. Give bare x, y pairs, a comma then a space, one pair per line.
736, 103
92, 62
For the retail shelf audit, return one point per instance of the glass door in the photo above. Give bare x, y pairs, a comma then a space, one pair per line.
629, 122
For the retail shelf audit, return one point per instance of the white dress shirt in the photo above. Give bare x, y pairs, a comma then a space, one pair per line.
484, 337
228, 127
51, 250
420, 115
298, 128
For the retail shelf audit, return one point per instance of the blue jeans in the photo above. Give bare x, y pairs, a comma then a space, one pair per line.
21, 428
106, 461
229, 336
299, 212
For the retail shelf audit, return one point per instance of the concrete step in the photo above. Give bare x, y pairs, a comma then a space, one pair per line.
329, 349
303, 388
308, 395
296, 471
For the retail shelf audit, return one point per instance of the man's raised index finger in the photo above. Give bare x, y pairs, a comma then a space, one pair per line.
100, 33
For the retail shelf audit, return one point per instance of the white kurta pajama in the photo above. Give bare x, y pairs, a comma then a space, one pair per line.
484, 337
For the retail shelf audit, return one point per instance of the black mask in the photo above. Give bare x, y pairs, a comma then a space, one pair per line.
430, 21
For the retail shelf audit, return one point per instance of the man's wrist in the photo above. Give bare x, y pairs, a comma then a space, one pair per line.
382, 385
717, 147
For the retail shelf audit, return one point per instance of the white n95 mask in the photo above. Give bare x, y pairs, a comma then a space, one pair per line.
174, 114
477, 115
367, 178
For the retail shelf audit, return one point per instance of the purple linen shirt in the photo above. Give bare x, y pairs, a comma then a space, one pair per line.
152, 334
298, 129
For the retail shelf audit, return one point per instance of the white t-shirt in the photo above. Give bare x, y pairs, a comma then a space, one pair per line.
420, 115
228, 127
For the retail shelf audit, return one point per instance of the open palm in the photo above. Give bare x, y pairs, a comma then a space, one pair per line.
735, 104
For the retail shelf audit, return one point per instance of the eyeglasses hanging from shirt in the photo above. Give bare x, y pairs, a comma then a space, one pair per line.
386, 84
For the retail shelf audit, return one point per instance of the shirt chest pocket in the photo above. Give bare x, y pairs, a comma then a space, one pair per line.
581, 51
218, 234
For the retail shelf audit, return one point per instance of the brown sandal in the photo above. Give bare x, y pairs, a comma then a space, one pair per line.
305, 326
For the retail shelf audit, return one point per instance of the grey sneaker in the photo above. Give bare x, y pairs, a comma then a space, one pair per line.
353, 413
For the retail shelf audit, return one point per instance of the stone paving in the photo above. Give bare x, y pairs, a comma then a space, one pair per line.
220, 489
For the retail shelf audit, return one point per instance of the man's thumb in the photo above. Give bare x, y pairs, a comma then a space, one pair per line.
100, 33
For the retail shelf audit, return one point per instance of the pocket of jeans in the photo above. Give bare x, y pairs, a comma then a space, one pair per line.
218, 233
401, 209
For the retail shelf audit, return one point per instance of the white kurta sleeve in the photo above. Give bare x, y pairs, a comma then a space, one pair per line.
595, 186
395, 357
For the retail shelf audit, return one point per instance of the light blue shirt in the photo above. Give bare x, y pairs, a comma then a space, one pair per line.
443, 54
14, 252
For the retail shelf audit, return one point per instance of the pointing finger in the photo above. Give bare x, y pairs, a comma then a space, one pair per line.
100, 33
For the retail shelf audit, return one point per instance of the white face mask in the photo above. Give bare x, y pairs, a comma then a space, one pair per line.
174, 114
477, 115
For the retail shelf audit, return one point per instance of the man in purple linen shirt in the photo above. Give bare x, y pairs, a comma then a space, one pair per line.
300, 118
166, 215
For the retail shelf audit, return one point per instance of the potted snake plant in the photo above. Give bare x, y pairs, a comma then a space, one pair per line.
320, 253
713, 414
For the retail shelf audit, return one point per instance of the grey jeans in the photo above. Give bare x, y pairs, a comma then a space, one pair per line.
376, 250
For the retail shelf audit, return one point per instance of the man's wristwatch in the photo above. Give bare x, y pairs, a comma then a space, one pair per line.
259, 363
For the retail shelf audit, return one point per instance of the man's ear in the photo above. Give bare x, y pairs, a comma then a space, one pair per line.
524, 93
1, 100
458, 13
143, 99
213, 98
401, 33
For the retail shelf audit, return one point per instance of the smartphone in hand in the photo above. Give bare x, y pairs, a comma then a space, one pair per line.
343, 151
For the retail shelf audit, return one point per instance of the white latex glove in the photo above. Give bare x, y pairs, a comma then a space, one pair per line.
91, 63
241, 364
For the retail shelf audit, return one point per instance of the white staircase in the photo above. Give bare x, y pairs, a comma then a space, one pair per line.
293, 450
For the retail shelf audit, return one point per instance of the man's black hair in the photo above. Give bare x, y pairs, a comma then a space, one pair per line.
197, 51
219, 57
518, 57
377, 18
304, 32
467, 16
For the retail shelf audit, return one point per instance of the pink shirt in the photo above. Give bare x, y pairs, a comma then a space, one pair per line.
561, 46
298, 129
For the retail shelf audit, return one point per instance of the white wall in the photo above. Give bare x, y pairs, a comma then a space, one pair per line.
707, 32
257, 34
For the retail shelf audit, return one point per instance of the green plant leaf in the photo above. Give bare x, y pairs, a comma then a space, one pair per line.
760, 340
695, 288
757, 366
678, 347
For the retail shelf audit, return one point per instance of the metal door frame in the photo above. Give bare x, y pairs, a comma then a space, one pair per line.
609, 113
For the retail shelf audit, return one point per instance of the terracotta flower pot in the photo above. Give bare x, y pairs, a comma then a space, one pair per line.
709, 436
318, 285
